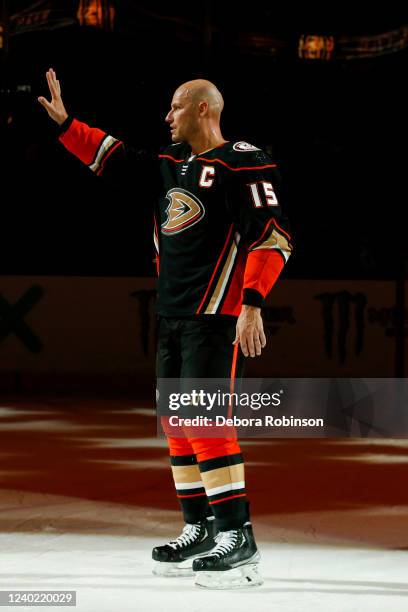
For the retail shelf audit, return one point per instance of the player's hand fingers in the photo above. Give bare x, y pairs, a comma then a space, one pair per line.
243, 344
45, 104
262, 338
257, 344
52, 84
250, 344
56, 82
246, 344
236, 340
49, 80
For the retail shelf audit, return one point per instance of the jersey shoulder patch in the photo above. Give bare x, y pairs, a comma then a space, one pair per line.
244, 147
245, 156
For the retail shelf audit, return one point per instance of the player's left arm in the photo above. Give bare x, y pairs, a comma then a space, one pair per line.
265, 229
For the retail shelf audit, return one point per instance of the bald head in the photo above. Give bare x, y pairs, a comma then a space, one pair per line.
201, 90
195, 114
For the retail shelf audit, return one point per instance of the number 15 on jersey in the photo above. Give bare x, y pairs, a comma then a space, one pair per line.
263, 191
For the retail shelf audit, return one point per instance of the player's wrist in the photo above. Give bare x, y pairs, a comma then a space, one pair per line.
249, 308
63, 127
61, 119
252, 297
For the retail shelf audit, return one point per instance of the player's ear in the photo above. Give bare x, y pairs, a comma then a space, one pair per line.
203, 108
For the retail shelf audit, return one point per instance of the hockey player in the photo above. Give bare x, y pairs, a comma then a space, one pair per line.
221, 242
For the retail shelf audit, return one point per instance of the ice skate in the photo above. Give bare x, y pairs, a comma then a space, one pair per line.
175, 558
232, 563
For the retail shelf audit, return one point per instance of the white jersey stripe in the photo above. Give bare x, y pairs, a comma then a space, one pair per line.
213, 305
106, 144
180, 486
231, 486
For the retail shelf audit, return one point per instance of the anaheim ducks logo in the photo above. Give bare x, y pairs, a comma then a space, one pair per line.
184, 210
244, 146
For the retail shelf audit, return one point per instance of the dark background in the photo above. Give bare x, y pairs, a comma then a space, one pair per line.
337, 129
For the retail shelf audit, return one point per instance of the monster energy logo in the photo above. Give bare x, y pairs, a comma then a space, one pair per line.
347, 304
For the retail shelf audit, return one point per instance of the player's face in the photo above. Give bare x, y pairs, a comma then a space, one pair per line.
182, 118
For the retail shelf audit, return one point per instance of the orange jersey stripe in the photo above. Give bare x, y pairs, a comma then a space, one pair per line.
219, 161
178, 161
217, 501
232, 381
192, 495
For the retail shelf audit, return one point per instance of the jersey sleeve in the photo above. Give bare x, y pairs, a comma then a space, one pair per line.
104, 155
256, 207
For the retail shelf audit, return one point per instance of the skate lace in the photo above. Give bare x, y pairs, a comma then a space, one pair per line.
188, 535
226, 541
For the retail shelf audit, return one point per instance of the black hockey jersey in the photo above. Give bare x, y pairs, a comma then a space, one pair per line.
220, 235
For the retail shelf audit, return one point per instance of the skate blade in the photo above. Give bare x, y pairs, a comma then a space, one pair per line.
184, 568
237, 578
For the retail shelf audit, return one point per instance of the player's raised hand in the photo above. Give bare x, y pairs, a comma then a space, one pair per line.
55, 108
